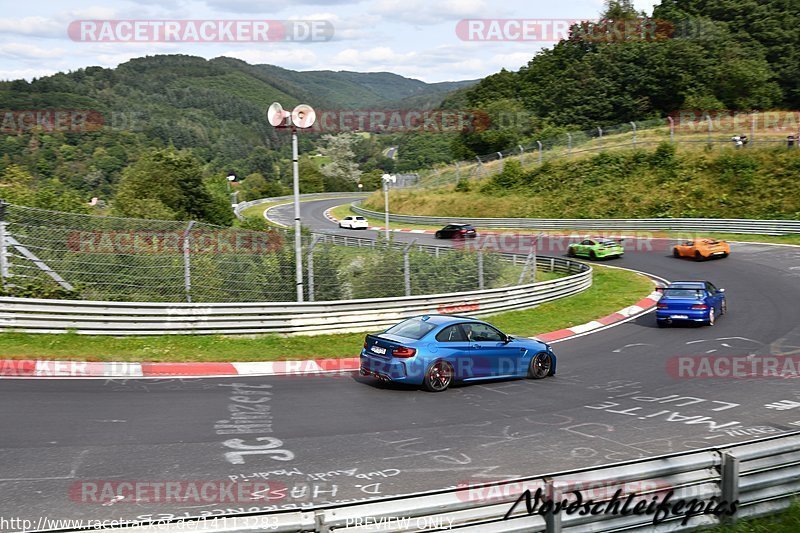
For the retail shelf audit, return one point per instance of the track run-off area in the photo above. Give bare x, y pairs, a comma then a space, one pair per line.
339, 437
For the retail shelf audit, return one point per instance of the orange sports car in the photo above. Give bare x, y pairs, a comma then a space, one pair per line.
701, 249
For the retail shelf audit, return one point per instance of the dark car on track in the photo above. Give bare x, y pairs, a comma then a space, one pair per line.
457, 231
691, 301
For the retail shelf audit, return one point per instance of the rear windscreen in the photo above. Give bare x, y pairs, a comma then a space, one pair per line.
413, 328
684, 293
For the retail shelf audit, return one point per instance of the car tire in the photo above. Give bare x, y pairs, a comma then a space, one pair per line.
725, 255
438, 377
698, 256
592, 255
662, 323
675, 253
437, 235
571, 251
340, 225
541, 366
711, 318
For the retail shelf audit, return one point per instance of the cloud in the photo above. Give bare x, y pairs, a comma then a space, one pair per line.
269, 6
293, 57
427, 12
28, 74
33, 26
28, 51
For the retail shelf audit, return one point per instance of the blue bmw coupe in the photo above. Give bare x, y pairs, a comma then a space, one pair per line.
435, 350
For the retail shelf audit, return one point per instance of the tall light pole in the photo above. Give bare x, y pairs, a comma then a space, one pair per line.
302, 117
387, 179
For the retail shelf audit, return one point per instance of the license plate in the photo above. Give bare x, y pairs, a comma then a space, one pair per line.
679, 316
379, 350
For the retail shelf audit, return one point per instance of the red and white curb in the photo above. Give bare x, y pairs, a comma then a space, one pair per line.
32, 368
623, 315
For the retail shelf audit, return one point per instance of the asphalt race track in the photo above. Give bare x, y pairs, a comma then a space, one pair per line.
341, 437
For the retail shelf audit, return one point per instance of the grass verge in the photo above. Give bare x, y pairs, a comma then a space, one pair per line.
612, 290
787, 521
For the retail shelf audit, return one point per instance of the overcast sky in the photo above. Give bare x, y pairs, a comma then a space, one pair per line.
414, 38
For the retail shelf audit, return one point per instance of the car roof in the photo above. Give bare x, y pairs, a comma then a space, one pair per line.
459, 224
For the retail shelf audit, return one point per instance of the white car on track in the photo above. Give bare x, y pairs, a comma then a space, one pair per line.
354, 222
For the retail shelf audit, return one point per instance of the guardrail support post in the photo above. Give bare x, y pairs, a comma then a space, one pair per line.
671, 129
521, 155
600, 136
539, 143
187, 267
710, 127
729, 481
633, 125
407, 266
552, 520
310, 261
4, 274
753, 119
569, 144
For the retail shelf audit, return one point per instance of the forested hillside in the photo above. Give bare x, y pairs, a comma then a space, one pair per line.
707, 54
210, 114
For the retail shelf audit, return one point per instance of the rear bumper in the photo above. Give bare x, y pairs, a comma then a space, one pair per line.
386, 369
686, 315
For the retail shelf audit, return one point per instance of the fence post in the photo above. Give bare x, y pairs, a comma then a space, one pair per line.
310, 262
729, 481
539, 144
407, 266
481, 284
187, 267
753, 119
710, 127
521, 154
600, 136
4, 275
671, 129
480, 165
569, 144
633, 125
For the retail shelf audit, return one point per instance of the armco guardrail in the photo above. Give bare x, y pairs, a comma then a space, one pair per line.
763, 475
33, 315
237, 210
722, 225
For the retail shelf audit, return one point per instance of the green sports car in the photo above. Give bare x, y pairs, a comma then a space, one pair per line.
596, 248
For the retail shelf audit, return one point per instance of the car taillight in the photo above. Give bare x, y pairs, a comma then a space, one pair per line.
462, 231
662, 306
365, 344
699, 306
403, 351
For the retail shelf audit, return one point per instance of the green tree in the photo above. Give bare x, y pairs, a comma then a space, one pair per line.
171, 184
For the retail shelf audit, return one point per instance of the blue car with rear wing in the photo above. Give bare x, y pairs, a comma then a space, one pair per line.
691, 301
436, 350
